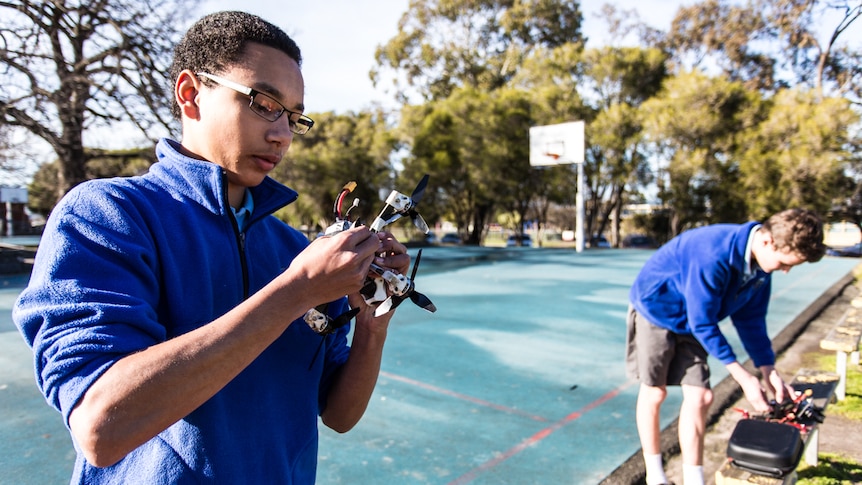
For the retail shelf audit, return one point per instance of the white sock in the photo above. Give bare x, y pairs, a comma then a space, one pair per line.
654, 470
692, 474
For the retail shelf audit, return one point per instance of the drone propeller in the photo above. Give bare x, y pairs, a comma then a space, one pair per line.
417, 298
416, 196
399, 205
324, 325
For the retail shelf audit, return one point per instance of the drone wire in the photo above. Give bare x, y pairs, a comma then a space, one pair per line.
339, 201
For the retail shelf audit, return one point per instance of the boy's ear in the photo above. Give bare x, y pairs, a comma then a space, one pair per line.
767, 239
186, 92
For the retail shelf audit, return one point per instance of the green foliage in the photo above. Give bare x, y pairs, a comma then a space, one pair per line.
831, 469
341, 148
695, 123
656, 225
771, 44
798, 152
42, 191
473, 147
851, 406
443, 45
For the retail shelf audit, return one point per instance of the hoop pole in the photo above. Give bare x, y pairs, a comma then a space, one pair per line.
579, 201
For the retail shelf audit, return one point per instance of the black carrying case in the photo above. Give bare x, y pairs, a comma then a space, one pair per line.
765, 447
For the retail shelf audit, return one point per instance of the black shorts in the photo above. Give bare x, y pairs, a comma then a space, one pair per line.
658, 357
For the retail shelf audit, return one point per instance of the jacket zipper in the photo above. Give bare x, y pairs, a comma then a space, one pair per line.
240, 238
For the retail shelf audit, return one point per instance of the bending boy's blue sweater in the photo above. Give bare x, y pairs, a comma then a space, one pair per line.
697, 279
128, 263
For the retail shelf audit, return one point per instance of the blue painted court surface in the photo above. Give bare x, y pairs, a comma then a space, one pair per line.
517, 379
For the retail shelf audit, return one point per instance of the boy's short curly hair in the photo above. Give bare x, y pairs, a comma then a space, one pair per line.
218, 40
800, 230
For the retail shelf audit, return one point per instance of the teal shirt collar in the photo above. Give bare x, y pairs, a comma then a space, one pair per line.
750, 265
244, 212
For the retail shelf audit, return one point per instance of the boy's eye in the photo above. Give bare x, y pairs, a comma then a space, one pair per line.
266, 105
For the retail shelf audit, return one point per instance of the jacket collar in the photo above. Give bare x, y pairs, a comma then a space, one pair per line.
206, 183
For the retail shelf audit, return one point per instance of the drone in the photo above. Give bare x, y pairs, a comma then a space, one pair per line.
799, 412
385, 288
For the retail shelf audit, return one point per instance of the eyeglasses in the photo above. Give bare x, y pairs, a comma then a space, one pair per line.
265, 105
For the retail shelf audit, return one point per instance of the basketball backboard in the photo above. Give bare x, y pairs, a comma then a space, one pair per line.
558, 144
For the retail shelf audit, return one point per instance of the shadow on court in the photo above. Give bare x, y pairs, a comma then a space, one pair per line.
518, 378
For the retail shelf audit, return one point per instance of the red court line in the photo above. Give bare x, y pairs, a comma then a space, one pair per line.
537, 437
463, 397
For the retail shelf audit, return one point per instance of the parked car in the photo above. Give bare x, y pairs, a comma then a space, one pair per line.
639, 241
599, 241
450, 238
519, 240
853, 251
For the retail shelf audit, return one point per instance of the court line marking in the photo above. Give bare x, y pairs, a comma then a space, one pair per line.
462, 397
539, 436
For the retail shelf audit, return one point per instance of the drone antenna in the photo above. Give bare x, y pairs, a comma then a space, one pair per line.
352, 206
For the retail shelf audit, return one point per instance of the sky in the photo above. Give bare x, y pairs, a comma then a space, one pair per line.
338, 39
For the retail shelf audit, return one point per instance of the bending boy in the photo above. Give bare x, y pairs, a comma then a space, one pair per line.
681, 294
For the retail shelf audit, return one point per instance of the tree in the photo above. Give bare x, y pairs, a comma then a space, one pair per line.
795, 22
797, 155
474, 147
341, 148
441, 45
71, 66
507, 156
621, 79
724, 33
100, 164
447, 142
770, 44
694, 125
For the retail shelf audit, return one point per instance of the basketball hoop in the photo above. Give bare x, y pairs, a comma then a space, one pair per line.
555, 156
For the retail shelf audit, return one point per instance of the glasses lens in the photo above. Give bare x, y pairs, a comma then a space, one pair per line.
301, 125
271, 110
266, 107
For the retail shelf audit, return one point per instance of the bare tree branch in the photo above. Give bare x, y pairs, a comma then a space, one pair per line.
70, 66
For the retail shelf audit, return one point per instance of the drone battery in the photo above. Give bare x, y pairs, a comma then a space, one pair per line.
765, 447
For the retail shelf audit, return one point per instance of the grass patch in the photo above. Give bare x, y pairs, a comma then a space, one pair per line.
831, 469
851, 406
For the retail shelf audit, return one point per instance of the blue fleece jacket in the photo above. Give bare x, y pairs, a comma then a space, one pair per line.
696, 280
128, 263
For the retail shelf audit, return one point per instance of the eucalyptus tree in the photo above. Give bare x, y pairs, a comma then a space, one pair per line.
42, 191
341, 148
443, 45
770, 44
813, 44
507, 163
70, 66
797, 155
617, 81
552, 77
473, 145
694, 124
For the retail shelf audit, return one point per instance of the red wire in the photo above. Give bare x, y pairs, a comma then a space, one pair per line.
338, 202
